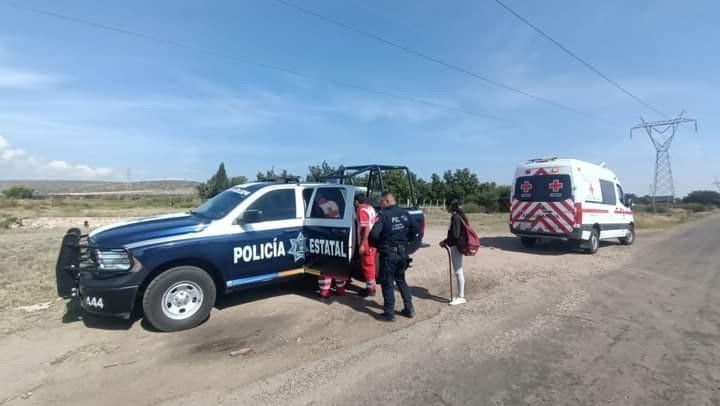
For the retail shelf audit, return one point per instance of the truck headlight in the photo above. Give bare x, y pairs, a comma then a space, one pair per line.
113, 260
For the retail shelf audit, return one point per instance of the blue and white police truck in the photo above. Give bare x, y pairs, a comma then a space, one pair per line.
173, 267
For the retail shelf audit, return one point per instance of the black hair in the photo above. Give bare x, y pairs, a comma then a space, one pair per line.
455, 208
362, 199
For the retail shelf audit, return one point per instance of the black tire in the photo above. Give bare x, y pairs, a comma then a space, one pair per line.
593, 243
166, 287
630, 238
528, 242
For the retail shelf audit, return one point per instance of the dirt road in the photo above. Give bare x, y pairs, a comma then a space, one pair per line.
630, 325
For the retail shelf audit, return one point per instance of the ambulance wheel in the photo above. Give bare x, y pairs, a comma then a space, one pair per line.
629, 237
593, 243
528, 242
179, 298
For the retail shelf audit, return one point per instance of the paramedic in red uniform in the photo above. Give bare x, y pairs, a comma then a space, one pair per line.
366, 217
330, 210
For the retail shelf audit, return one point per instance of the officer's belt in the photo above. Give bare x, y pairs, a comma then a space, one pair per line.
394, 249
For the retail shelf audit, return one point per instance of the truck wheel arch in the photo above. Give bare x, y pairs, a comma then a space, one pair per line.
197, 262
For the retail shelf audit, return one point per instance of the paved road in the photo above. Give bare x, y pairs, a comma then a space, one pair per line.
646, 334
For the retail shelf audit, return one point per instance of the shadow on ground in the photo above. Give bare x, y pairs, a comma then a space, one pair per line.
304, 286
543, 247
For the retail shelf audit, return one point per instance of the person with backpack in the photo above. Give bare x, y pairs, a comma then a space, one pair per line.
455, 241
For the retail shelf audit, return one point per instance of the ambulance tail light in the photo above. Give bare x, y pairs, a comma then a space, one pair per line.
578, 215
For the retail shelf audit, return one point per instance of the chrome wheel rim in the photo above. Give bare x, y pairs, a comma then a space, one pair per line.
182, 300
595, 242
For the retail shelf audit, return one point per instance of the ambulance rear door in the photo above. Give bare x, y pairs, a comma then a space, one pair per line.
328, 229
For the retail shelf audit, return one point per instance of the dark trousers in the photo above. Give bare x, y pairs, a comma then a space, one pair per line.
392, 271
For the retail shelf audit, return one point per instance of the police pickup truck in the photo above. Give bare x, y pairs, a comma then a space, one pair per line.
172, 267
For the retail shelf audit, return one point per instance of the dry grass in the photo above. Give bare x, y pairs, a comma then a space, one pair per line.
660, 221
481, 222
27, 265
78, 207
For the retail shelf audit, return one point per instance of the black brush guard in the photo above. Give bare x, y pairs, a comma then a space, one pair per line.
74, 256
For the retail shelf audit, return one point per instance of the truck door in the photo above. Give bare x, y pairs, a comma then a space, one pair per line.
269, 243
328, 230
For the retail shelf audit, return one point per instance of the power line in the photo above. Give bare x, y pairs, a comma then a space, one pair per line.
246, 61
579, 59
439, 61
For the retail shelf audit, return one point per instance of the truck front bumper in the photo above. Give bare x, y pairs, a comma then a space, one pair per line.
106, 296
97, 292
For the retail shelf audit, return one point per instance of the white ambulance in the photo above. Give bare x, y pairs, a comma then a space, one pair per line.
569, 199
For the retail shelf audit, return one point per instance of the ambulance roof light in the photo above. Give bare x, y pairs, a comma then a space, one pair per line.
540, 160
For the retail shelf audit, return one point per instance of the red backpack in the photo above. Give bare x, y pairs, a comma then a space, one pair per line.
469, 243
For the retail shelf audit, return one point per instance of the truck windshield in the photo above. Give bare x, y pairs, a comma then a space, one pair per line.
221, 204
543, 188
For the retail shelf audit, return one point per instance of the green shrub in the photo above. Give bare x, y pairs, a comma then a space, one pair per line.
474, 208
18, 192
694, 207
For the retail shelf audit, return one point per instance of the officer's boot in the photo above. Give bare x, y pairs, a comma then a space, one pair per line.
340, 287
324, 283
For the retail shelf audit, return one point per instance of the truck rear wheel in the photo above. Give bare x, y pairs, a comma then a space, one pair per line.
179, 298
528, 242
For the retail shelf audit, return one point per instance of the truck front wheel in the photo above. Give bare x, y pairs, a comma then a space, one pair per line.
179, 298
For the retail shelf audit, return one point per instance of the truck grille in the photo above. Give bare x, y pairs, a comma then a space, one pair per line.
88, 254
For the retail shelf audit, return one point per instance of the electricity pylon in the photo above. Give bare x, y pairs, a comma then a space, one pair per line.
661, 134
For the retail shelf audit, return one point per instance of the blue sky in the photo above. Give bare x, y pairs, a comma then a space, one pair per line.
82, 103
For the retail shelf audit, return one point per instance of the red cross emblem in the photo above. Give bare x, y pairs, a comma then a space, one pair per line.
555, 185
526, 187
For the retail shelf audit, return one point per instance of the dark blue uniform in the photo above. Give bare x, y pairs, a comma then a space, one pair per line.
391, 234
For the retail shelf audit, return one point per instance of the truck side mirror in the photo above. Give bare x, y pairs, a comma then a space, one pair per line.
252, 216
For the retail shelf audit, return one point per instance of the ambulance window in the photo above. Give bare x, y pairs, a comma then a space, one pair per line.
608, 192
276, 205
329, 203
621, 195
543, 188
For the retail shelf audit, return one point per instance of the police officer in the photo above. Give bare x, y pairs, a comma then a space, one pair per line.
391, 234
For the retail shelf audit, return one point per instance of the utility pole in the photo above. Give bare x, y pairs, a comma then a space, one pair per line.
661, 134
127, 181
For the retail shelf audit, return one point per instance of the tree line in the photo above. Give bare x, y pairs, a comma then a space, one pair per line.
460, 184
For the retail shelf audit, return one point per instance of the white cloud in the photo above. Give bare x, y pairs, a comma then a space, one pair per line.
58, 165
11, 154
11, 78
16, 163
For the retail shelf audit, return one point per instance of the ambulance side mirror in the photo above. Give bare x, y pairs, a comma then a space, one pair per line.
628, 202
252, 216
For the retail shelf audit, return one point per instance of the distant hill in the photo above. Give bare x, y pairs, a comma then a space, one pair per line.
181, 187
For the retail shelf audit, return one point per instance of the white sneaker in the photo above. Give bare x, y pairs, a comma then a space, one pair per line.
457, 301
